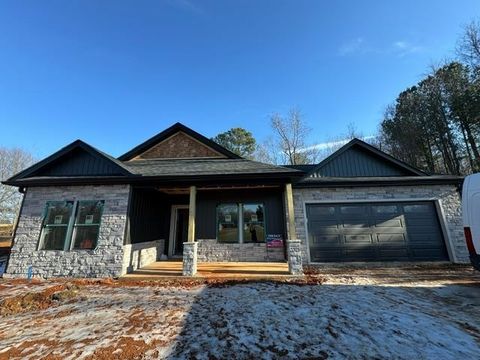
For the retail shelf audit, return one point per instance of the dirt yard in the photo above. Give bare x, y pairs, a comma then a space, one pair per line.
352, 313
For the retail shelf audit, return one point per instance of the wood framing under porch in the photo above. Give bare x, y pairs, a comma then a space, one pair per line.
225, 270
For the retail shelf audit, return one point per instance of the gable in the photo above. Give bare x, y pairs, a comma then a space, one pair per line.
76, 159
359, 159
356, 162
79, 162
175, 142
179, 145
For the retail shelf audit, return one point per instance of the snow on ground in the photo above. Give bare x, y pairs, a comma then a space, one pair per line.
370, 314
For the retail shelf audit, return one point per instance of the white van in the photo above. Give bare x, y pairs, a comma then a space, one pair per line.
471, 217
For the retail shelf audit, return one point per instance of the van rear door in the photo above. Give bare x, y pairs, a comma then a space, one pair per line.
471, 217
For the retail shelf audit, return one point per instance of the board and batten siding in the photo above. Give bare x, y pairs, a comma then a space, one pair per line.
207, 201
80, 163
357, 162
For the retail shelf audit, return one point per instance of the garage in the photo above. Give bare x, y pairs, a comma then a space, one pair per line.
375, 231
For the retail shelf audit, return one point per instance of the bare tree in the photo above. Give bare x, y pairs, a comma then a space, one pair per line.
290, 137
12, 161
267, 152
468, 46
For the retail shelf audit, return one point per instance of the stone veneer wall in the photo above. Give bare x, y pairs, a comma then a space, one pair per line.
210, 250
447, 194
104, 261
141, 254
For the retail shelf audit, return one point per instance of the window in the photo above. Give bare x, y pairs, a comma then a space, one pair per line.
71, 225
250, 218
227, 220
87, 224
55, 225
253, 223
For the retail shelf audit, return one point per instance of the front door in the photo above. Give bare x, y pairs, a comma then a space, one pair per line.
180, 230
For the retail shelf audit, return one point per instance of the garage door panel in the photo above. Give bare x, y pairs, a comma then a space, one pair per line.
360, 254
418, 208
387, 231
385, 209
354, 210
322, 255
375, 231
324, 228
391, 238
428, 254
421, 222
358, 239
423, 238
393, 251
388, 223
355, 223
326, 240
321, 210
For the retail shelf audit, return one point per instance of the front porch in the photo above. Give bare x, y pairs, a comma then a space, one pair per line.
225, 270
247, 225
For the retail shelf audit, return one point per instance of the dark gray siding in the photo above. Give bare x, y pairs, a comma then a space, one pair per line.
357, 162
150, 211
79, 163
149, 214
207, 209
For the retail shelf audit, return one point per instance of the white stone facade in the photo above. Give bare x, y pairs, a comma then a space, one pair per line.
295, 261
446, 197
139, 255
104, 261
210, 250
190, 259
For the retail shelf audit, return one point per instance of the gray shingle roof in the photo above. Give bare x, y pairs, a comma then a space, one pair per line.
176, 167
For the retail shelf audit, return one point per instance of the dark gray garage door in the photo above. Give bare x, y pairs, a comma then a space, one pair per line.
401, 231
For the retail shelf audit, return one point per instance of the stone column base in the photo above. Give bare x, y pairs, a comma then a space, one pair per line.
189, 258
294, 253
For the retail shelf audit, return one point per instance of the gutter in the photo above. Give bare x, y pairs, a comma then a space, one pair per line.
177, 179
355, 182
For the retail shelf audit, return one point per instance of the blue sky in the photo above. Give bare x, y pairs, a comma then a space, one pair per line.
114, 73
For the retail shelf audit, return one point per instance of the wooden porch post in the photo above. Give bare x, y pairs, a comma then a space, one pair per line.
190, 247
294, 245
292, 231
191, 214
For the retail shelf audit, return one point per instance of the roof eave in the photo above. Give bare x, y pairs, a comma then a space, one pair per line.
287, 176
421, 180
